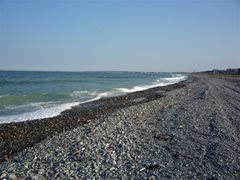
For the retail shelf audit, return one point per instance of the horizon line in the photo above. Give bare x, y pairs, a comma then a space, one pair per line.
95, 71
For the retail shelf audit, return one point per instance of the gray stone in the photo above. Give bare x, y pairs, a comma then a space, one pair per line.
4, 175
12, 176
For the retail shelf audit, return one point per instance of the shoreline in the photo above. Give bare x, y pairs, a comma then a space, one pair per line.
57, 108
186, 131
17, 136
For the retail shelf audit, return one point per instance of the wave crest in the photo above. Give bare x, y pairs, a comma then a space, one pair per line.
158, 82
49, 109
81, 93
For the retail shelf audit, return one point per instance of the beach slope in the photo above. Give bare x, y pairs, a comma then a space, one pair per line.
190, 130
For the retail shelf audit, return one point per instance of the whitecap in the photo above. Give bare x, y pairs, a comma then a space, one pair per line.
1, 96
51, 109
159, 82
83, 93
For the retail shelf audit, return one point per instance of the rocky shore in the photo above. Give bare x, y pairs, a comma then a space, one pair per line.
189, 130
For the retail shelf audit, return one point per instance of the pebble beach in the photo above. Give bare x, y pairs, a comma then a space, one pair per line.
188, 130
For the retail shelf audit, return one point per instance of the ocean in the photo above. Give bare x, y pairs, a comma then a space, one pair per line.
26, 95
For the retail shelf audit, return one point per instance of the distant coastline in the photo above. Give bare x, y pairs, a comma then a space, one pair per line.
232, 71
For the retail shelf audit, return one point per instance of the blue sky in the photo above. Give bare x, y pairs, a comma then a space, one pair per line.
175, 35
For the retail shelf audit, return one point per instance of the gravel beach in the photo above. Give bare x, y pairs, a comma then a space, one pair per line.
190, 130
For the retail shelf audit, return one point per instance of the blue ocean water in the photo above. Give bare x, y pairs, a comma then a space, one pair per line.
28, 95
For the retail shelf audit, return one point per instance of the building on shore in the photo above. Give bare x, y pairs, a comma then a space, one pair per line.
228, 71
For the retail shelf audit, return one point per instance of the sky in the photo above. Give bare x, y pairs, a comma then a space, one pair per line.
115, 35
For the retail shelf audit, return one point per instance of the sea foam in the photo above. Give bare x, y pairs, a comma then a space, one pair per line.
49, 109
39, 114
159, 82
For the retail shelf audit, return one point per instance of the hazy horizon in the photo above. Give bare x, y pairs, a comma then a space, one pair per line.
150, 36
80, 71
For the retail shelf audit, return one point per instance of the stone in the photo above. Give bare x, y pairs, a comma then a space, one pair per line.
96, 168
41, 171
12, 176
124, 177
3, 175
142, 169
112, 168
152, 177
36, 177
